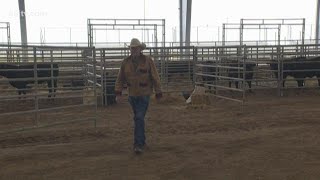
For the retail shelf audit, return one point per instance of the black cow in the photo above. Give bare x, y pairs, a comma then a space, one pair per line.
299, 68
27, 71
238, 73
208, 71
109, 89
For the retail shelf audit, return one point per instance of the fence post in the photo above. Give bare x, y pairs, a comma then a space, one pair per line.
194, 62
35, 77
244, 73
103, 78
94, 63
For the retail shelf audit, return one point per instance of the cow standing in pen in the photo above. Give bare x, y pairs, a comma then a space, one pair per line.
233, 69
209, 71
237, 69
47, 73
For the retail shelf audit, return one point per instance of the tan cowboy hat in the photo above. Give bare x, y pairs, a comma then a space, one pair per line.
136, 43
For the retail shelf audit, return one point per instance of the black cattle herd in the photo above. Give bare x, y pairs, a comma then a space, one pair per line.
298, 68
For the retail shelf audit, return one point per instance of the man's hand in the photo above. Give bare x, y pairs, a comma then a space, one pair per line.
120, 99
158, 96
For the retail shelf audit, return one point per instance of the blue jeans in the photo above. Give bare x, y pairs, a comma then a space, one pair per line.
139, 106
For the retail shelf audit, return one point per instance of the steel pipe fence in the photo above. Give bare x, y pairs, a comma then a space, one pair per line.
217, 68
292, 67
124, 44
264, 56
50, 80
275, 25
5, 28
175, 66
180, 68
114, 27
296, 73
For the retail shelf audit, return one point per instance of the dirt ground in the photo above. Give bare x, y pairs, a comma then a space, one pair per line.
269, 138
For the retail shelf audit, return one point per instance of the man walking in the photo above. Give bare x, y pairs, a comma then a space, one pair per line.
139, 73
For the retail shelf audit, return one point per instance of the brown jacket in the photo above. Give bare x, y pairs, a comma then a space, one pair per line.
140, 75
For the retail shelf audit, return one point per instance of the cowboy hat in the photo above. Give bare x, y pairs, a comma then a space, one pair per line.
136, 43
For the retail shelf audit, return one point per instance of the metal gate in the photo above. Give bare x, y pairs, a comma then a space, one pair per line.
54, 87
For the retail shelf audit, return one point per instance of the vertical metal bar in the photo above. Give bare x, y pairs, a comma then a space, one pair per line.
52, 78
241, 32
318, 22
9, 41
35, 77
279, 72
302, 37
282, 78
239, 57
70, 34
165, 61
163, 32
216, 63
279, 35
195, 60
94, 63
244, 75
8, 34
223, 34
181, 21
89, 32
156, 34
92, 34
103, 78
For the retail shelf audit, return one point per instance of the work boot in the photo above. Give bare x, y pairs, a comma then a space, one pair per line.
138, 149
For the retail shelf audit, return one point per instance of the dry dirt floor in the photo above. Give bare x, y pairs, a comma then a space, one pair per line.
268, 138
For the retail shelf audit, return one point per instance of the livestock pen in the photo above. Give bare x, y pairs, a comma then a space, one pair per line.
60, 95
239, 69
223, 140
262, 76
87, 75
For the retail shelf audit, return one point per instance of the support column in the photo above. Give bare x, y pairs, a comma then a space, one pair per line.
23, 24
317, 22
185, 22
